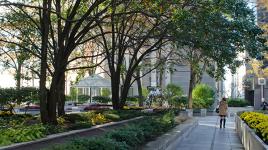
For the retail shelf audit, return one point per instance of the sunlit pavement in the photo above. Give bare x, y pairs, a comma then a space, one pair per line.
208, 136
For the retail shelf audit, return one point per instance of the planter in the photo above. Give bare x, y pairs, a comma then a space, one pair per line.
203, 112
187, 113
65, 136
248, 137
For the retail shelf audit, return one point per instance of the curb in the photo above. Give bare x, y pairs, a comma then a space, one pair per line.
178, 133
65, 135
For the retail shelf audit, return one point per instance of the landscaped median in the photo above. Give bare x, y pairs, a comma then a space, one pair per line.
133, 136
24, 128
252, 127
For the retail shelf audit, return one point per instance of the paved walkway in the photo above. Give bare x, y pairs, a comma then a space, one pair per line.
208, 136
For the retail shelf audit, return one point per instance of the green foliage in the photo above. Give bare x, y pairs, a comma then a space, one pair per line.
237, 103
216, 32
173, 90
19, 134
173, 94
202, 96
83, 98
73, 93
101, 99
129, 137
132, 99
258, 122
9, 96
105, 92
99, 143
145, 92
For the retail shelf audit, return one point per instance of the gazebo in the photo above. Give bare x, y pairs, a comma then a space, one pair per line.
92, 85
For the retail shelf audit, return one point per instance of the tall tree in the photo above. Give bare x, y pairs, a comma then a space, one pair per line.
62, 26
131, 33
214, 33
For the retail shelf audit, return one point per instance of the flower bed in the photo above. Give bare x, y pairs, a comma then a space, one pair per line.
130, 137
23, 128
258, 122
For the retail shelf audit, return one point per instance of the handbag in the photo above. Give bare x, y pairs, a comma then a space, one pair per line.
217, 110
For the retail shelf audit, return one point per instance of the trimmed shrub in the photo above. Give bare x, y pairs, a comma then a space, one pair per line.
237, 103
105, 92
99, 143
83, 98
101, 99
202, 96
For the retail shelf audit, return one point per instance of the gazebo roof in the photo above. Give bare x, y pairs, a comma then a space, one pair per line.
93, 81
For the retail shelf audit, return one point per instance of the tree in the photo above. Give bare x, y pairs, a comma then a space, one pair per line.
212, 34
132, 30
62, 26
14, 57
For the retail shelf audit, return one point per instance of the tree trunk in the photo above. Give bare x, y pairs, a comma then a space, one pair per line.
115, 90
61, 100
18, 76
53, 97
125, 90
191, 87
161, 79
141, 98
44, 19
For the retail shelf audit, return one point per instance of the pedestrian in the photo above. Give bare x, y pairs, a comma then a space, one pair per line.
223, 107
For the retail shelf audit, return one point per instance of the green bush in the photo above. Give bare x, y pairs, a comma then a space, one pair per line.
132, 99
83, 98
105, 92
12, 95
202, 96
113, 117
173, 95
101, 99
21, 134
237, 103
99, 143
130, 137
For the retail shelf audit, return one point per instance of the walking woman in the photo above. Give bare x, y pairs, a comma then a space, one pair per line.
223, 106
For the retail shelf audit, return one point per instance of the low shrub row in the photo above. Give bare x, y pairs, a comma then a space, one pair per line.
258, 122
15, 128
237, 103
22, 128
130, 137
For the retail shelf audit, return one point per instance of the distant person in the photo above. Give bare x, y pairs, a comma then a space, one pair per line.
223, 106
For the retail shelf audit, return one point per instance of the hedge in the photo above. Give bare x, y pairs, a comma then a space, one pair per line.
237, 103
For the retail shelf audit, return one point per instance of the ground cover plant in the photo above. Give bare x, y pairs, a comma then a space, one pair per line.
258, 122
16, 128
130, 137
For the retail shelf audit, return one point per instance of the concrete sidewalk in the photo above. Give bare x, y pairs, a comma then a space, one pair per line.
208, 136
